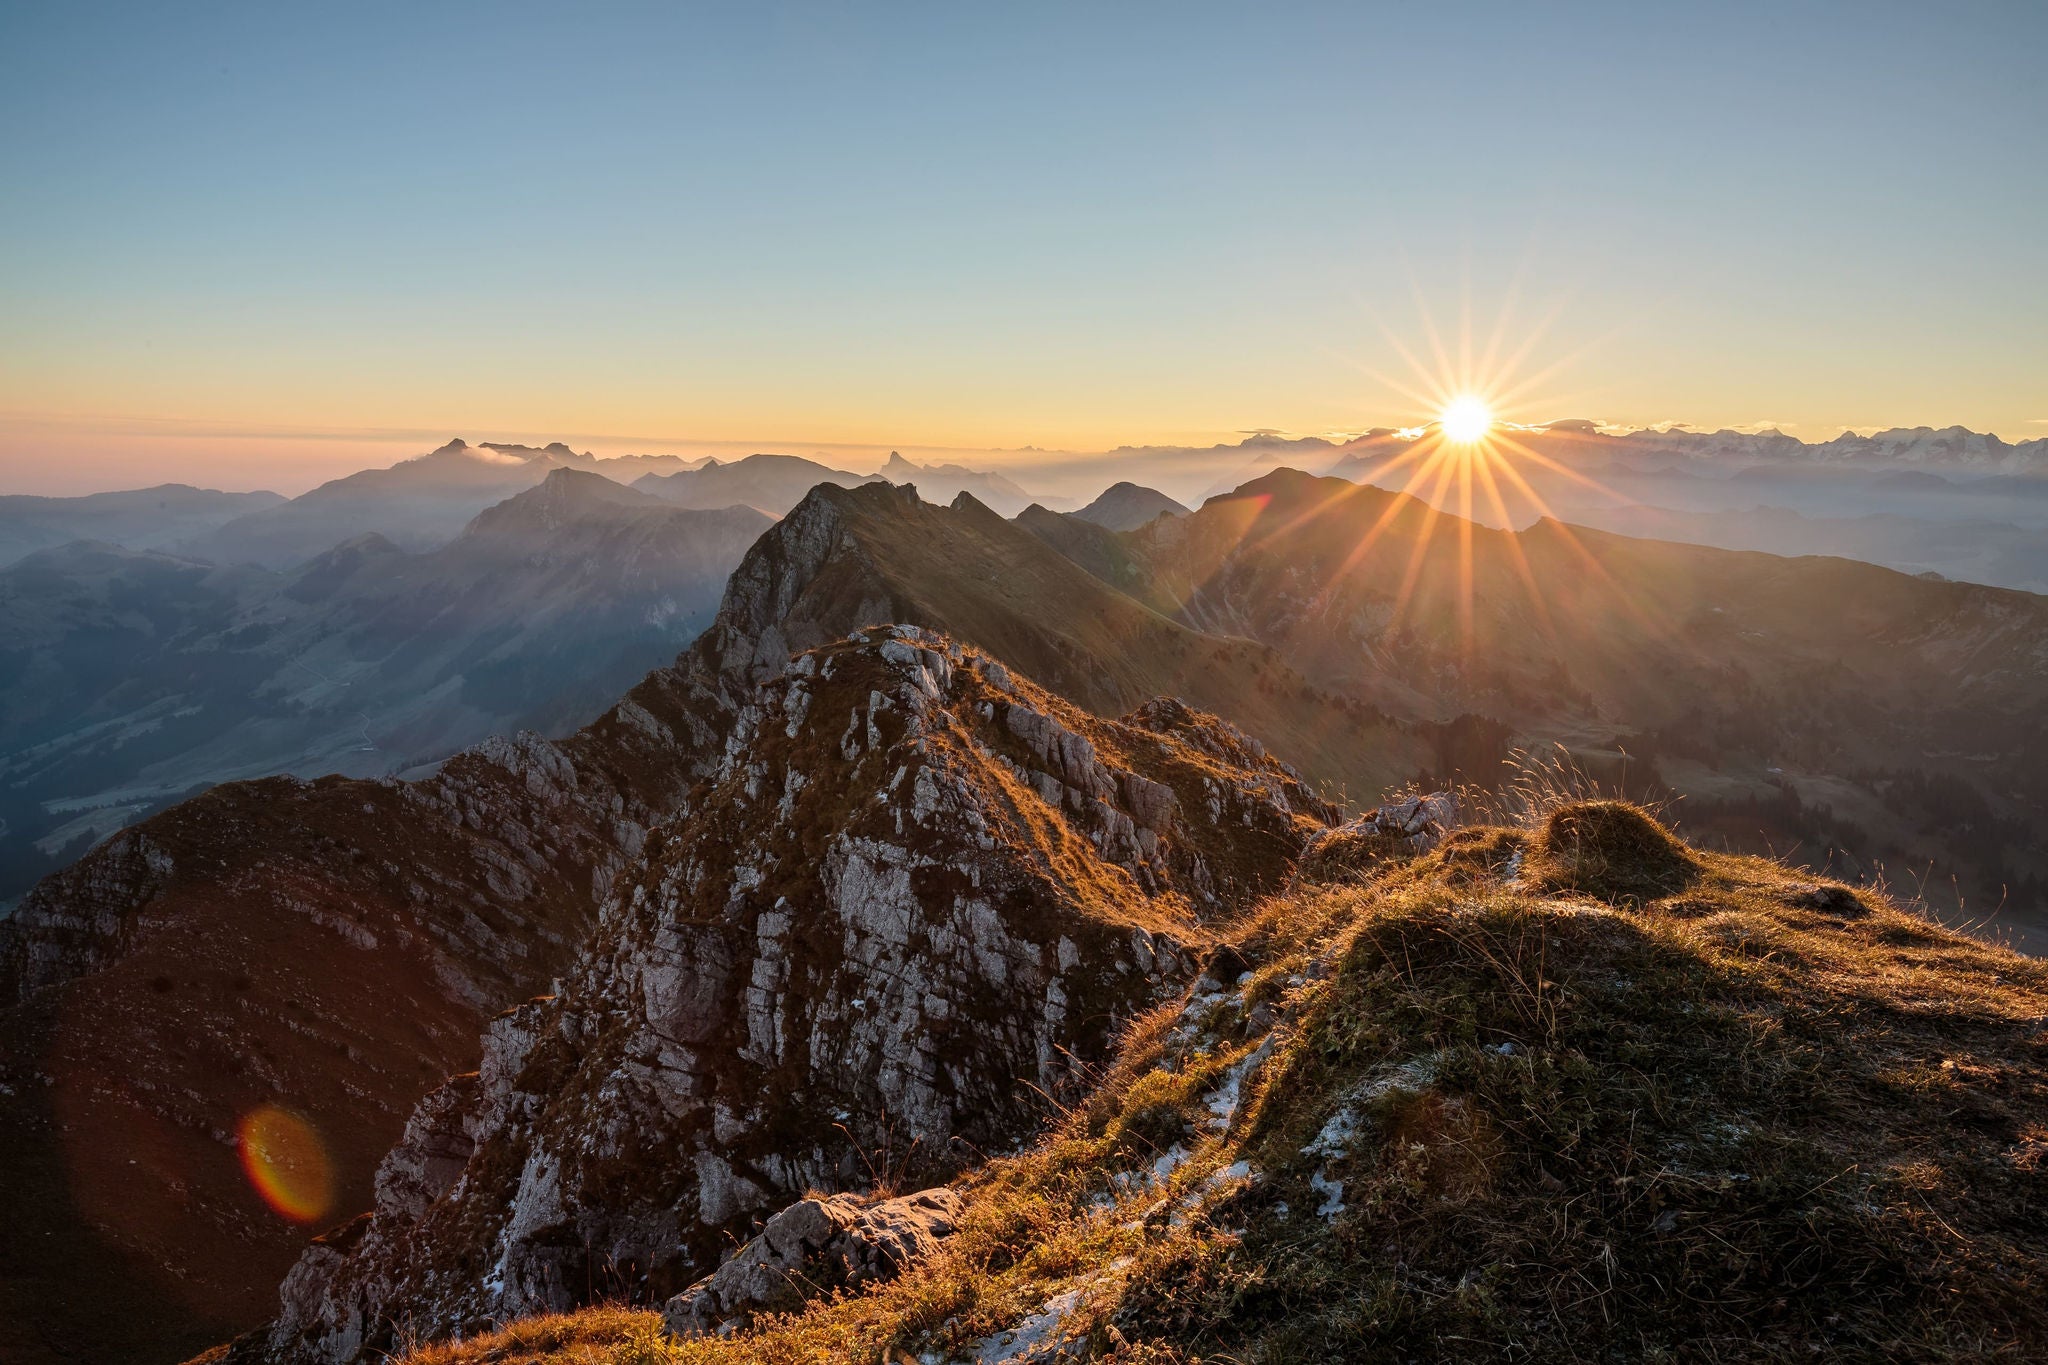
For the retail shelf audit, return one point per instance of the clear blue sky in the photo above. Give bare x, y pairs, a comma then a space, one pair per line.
993, 225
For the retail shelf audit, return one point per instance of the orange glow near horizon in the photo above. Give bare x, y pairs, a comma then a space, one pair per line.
287, 1163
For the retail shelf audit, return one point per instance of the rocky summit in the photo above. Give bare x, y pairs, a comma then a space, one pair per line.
901, 927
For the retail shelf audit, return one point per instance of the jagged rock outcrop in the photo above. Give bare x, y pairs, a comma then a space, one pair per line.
814, 1246
1393, 829
907, 913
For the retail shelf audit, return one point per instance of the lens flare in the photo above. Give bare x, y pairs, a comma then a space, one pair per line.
286, 1163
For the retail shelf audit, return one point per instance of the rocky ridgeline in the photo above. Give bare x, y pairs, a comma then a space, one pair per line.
905, 918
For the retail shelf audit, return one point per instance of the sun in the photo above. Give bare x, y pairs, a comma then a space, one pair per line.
1465, 419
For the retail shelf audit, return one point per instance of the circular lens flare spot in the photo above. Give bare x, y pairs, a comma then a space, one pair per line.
1466, 418
287, 1163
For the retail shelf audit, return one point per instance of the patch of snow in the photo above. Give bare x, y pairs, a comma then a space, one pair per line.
1169, 1162
1336, 1136
1223, 1102
1236, 1173
1332, 1192
1038, 1337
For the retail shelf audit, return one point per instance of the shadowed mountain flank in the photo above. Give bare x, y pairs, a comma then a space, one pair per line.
1840, 705
138, 519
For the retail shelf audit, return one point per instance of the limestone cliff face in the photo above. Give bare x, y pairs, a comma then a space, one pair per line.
911, 907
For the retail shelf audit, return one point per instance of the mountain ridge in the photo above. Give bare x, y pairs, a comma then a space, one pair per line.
1784, 1116
1745, 678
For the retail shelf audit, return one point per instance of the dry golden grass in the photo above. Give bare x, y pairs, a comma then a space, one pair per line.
1610, 1099
604, 1335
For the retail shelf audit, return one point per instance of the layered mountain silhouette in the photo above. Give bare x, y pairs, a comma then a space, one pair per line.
416, 504
1127, 506
140, 519
770, 483
1890, 717
136, 676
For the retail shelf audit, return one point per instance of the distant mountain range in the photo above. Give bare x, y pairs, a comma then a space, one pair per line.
1956, 457
1191, 474
131, 677
416, 504
1953, 449
1953, 502
202, 567
1953, 473
769, 483
141, 519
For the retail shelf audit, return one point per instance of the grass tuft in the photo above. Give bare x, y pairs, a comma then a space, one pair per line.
1612, 851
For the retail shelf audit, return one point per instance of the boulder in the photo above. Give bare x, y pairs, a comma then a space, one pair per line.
1398, 829
815, 1245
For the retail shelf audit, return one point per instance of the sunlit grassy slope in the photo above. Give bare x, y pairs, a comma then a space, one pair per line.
1574, 1092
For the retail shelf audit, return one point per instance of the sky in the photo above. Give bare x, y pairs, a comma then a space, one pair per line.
262, 245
